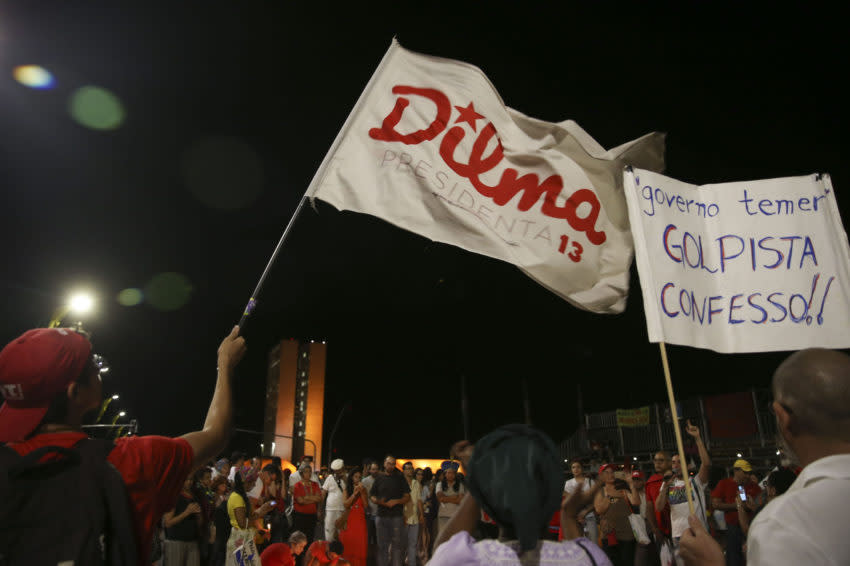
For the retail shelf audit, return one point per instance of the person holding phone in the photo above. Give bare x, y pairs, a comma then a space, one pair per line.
724, 497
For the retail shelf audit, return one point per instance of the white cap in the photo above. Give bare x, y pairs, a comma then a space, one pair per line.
337, 464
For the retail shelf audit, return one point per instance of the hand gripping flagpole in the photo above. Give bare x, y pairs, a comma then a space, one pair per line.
252, 302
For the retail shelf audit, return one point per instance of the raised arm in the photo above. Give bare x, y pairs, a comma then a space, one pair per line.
211, 440
705, 459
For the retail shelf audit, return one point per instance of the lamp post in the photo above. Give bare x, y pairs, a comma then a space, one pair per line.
104, 406
116, 417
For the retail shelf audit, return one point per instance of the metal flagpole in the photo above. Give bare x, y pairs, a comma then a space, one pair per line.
252, 302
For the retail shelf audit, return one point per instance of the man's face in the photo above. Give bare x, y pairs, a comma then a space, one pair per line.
339, 474
662, 462
407, 468
740, 476
638, 483
389, 465
374, 469
298, 547
607, 475
306, 473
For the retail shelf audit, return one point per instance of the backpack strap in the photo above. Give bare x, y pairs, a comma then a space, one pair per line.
121, 534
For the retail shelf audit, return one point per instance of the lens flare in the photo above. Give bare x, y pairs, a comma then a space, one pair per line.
96, 108
34, 76
130, 297
168, 291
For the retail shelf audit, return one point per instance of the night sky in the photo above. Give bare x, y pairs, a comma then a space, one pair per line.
741, 94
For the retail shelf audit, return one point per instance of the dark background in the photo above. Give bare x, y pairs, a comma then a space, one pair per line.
742, 93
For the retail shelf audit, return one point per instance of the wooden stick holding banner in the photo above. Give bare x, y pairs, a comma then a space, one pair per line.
683, 466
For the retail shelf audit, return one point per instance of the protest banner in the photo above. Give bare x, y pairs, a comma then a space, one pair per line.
741, 267
431, 147
627, 418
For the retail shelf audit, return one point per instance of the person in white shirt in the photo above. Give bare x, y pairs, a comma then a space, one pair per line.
673, 492
334, 493
808, 524
586, 517
237, 459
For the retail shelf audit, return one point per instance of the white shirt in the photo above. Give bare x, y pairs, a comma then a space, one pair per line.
449, 509
678, 502
336, 497
257, 490
572, 485
808, 524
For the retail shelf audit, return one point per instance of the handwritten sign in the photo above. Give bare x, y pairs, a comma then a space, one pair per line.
633, 417
741, 267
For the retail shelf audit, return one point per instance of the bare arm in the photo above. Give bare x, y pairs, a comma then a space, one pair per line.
601, 503
661, 500
632, 495
705, 459
743, 516
572, 507
465, 519
209, 441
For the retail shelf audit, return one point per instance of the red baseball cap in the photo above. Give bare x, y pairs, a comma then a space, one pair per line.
637, 474
33, 369
604, 467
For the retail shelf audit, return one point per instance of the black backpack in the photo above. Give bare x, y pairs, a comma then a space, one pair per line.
70, 510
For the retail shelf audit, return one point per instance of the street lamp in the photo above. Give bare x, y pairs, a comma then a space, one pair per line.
104, 405
118, 416
78, 303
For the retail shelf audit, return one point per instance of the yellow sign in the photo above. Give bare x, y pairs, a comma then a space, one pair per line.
633, 417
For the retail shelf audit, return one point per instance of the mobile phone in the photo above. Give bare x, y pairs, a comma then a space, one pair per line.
742, 493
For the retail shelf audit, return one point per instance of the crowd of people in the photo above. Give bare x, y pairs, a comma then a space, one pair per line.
510, 506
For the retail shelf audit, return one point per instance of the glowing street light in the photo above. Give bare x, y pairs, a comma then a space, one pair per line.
81, 303
118, 416
78, 303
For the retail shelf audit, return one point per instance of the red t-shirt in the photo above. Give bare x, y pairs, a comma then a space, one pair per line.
319, 550
153, 469
726, 491
277, 554
300, 490
653, 488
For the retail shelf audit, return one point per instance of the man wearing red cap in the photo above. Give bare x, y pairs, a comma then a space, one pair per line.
50, 382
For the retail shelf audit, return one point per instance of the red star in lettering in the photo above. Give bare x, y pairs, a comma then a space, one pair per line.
468, 115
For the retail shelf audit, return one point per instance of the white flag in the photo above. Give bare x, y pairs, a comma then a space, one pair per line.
741, 267
431, 148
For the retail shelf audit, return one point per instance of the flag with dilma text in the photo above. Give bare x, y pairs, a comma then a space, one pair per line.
431, 147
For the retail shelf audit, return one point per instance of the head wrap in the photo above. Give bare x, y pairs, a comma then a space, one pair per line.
449, 465
515, 476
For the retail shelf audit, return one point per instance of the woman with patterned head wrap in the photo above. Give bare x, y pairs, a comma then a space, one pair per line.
514, 474
450, 492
